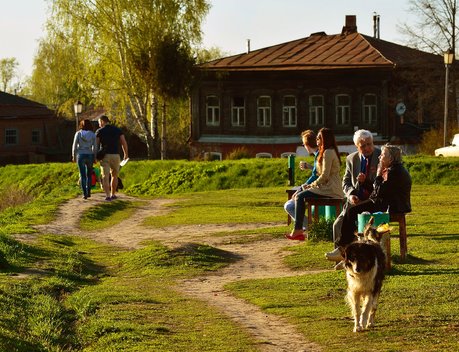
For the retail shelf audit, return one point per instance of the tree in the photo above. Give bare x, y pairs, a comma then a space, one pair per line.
435, 28
7, 71
119, 45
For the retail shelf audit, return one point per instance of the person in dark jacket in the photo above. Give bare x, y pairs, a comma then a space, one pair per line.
109, 138
391, 192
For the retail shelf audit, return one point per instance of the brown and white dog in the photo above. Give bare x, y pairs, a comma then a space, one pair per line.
364, 262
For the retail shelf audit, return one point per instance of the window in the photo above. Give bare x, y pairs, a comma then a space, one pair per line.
212, 110
36, 137
369, 109
238, 111
264, 111
316, 110
343, 109
11, 136
289, 111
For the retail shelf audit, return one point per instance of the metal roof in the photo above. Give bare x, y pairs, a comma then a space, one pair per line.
320, 51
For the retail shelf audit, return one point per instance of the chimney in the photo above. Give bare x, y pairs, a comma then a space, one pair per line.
350, 26
375, 25
248, 46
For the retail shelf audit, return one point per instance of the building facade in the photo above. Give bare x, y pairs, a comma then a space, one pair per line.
32, 133
262, 100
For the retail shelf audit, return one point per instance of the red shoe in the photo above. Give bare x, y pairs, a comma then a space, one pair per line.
298, 237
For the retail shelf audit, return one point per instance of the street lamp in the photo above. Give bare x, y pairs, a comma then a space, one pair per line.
77, 107
448, 58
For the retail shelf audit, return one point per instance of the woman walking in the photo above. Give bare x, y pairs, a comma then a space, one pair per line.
83, 152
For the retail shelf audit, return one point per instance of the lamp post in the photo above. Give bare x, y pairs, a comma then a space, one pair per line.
77, 107
448, 58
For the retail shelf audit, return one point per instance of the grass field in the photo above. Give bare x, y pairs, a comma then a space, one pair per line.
62, 293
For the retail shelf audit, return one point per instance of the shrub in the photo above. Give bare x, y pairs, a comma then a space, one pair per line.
321, 230
239, 153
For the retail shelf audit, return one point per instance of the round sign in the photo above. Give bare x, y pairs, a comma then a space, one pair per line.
400, 109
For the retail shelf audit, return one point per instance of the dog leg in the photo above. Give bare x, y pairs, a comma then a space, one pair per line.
354, 302
371, 320
367, 307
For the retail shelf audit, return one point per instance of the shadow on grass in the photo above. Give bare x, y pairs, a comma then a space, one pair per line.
205, 255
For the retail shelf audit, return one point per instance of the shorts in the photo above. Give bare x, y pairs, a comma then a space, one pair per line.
110, 164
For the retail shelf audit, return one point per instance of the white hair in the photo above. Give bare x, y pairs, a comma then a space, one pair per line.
362, 134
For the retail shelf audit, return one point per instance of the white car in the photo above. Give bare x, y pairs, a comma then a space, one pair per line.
452, 150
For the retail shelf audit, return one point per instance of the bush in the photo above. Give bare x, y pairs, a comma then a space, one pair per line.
239, 153
321, 230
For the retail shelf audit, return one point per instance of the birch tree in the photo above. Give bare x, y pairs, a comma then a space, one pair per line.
118, 43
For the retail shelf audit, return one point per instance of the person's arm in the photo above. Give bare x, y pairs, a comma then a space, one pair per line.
124, 146
74, 146
325, 168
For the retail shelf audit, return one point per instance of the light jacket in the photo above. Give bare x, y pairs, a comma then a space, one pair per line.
84, 142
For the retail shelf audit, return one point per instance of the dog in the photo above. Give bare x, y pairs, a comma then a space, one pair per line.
364, 263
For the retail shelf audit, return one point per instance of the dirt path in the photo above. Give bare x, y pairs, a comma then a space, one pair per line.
260, 259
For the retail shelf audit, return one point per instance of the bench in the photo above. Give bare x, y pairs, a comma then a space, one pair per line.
400, 219
316, 202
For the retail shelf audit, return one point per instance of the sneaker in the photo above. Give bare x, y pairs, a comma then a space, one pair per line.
113, 197
334, 255
108, 199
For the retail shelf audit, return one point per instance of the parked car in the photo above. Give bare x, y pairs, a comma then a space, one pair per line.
452, 150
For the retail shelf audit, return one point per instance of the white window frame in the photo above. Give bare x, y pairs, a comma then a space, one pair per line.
264, 155
343, 111
289, 112
370, 110
316, 112
212, 111
11, 136
264, 111
237, 113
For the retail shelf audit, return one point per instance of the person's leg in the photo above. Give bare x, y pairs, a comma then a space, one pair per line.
289, 207
89, 162
114, 172
105, 174
82, 170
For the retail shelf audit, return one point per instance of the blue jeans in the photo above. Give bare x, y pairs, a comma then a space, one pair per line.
85, 162
300, 206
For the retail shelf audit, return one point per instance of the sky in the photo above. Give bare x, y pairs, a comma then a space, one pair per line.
228, 24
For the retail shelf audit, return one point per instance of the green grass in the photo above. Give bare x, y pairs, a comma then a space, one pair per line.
63, 293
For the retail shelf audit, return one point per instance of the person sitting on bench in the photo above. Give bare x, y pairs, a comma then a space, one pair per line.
310, 144
392, 190
328, 184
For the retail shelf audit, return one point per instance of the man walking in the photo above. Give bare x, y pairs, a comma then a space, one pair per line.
108, 139
361, 167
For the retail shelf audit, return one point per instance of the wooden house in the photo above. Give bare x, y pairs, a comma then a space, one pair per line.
32, 133
263, 99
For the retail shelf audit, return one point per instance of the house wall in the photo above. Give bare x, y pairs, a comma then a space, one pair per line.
37, 140
277, 84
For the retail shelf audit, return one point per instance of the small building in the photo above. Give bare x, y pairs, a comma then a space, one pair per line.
263, 99
32, 133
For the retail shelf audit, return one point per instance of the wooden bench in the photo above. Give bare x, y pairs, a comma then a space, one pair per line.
400, 218
317, 202
334, 202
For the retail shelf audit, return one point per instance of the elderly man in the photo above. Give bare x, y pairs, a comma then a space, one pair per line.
392, 192
358, 181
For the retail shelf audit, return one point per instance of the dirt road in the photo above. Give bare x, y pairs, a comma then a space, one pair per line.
260, 259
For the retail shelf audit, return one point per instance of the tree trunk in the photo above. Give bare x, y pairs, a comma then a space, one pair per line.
163, 132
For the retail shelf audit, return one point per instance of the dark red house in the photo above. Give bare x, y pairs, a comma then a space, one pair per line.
32, 133
263, 99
